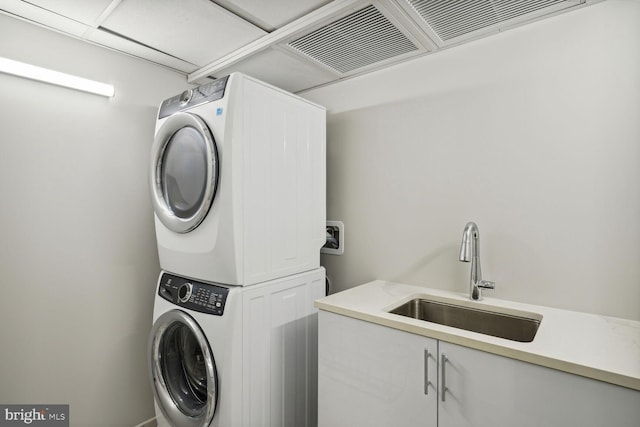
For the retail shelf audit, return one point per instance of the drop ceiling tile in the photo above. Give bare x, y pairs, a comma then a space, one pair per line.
85, 11
272, 14
196, 31
282, 70
120, 44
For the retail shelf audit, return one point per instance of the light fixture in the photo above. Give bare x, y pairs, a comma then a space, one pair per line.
28, 71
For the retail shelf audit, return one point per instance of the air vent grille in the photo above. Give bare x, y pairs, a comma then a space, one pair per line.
363, 38
451, 19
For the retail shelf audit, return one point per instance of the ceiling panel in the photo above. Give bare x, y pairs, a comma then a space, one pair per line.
120, 44
271, 14
281, 69
196, 31
85, 11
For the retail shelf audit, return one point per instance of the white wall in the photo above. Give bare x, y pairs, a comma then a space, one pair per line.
533, 133
77, 246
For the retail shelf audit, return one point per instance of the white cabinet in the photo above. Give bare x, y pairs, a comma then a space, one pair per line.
371, 375
484, 389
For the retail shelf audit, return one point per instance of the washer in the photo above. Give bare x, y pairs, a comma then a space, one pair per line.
237, 181
224, 356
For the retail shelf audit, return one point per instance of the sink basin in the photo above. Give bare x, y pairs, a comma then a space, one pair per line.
509, 326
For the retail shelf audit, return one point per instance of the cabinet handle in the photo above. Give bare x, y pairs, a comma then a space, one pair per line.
426, 371
443, 368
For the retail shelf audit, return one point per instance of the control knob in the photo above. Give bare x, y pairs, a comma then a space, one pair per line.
185, 96
184, 292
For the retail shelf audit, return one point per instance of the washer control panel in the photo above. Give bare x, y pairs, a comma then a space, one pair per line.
191, 97
193, 295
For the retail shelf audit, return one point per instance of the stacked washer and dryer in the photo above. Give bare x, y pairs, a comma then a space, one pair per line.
238, 190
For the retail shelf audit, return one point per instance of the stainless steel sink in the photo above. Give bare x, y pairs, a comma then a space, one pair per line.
511, 327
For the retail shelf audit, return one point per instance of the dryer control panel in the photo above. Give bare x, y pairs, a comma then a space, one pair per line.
192, 295
191, 97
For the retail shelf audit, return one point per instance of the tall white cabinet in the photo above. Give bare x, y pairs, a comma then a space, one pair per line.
371, 375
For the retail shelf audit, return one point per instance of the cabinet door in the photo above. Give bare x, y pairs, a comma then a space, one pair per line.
373, 376
483, 389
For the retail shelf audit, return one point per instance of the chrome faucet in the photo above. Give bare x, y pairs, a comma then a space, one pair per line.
470, 251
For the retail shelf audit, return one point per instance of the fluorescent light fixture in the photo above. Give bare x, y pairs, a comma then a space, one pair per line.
21, 69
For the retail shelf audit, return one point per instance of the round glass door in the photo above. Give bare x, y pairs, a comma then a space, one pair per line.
183, 373
184, 172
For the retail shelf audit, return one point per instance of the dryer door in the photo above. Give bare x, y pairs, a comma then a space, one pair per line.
184, 172
182, 371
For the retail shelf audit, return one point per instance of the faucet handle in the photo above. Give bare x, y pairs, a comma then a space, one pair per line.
485, 284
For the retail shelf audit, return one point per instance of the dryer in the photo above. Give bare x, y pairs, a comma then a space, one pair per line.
237, 181
235, 356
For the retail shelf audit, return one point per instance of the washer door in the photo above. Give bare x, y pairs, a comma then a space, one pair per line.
182, 371
184, 172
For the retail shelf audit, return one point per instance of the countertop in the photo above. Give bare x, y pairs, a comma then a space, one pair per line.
599, 347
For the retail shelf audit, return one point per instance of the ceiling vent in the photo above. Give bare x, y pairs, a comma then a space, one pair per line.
452, 19
359, 40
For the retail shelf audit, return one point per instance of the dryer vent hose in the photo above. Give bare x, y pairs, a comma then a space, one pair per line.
331, 242
327, 282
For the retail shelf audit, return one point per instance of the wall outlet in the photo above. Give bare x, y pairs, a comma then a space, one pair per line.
335, 238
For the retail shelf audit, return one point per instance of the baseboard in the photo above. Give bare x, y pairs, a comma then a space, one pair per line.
151, 422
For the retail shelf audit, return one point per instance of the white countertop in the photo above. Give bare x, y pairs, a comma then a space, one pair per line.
599, 347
